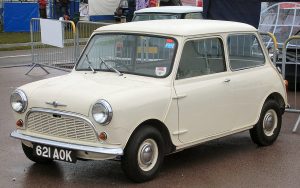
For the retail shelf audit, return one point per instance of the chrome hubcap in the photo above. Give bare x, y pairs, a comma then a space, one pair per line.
147, 154
270, 122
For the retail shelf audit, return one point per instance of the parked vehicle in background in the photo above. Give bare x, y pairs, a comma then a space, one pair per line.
168, 12
140, 91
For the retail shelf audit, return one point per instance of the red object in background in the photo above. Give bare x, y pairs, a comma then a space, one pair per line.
292, 5
152, 3
42, 4
169, 41
200, 3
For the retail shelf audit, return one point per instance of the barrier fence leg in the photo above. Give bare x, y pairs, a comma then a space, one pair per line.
34, 65
296, 125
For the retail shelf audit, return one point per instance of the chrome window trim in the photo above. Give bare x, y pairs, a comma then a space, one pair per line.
70, 114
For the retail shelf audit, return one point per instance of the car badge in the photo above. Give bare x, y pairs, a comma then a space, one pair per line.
55, 104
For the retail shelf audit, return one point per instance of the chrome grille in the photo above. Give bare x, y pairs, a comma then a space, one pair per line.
60, 126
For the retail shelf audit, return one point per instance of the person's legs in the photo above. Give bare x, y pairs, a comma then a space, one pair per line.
43, 13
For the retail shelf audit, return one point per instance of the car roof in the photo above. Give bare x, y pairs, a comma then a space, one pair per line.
170, 9
179, 27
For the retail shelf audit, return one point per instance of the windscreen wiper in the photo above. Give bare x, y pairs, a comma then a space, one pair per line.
110, 67
89, 63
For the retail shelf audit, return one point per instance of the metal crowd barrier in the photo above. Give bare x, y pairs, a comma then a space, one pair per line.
50, 56
271, 44
292, 61
84, 29
75, 38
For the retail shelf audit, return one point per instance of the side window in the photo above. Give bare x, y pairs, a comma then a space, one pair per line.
201, 57
244, 52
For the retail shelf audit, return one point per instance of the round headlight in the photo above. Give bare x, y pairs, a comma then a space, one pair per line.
102, 112
18, 101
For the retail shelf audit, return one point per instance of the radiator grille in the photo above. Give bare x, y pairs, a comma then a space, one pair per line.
60, 126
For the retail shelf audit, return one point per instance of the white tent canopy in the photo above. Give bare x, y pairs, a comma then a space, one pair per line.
103, 7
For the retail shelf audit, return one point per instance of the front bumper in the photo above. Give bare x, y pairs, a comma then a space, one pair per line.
77, 147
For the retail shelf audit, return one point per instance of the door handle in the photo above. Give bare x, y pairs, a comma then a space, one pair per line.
227, 80
180, 96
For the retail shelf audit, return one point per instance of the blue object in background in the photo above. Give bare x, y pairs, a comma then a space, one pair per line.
17, 16
74, 8
96, 18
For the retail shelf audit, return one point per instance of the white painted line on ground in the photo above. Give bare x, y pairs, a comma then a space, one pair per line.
5, 57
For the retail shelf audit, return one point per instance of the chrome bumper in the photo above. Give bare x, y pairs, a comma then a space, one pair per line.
100, 150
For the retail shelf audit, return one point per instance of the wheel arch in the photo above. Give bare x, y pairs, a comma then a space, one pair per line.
278, 98
261, 135
162, 128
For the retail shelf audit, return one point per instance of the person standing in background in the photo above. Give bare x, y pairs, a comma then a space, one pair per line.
63, 7
131, 9
154, 3
42, 8
170, 3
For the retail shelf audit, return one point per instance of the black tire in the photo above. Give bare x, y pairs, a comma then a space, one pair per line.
267, 129
29, 154
132, 160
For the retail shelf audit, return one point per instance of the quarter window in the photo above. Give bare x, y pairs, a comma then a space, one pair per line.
201, 57
244, 52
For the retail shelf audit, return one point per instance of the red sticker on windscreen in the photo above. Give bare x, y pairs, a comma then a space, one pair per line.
170, 41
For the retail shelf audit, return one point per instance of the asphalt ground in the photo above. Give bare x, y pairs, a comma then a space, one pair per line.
15, 58
233, 161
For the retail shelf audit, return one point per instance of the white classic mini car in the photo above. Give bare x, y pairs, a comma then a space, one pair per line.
143, 90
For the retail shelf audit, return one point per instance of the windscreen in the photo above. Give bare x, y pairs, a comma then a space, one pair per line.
129, 54
155, 16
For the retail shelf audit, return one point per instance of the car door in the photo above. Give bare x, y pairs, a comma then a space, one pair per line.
248, 86
202, 85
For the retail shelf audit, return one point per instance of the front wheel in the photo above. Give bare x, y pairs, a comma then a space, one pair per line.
267, 129
143, 155
28, 151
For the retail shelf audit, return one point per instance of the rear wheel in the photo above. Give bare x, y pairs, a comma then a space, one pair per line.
266, 131
143, 155
29, 154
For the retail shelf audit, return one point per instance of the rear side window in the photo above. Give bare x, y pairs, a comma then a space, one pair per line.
244, 52
201, 57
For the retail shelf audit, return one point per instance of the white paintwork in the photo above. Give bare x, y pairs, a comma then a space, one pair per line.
179, 27
208, 103
222, 109
107, 7
170, 9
